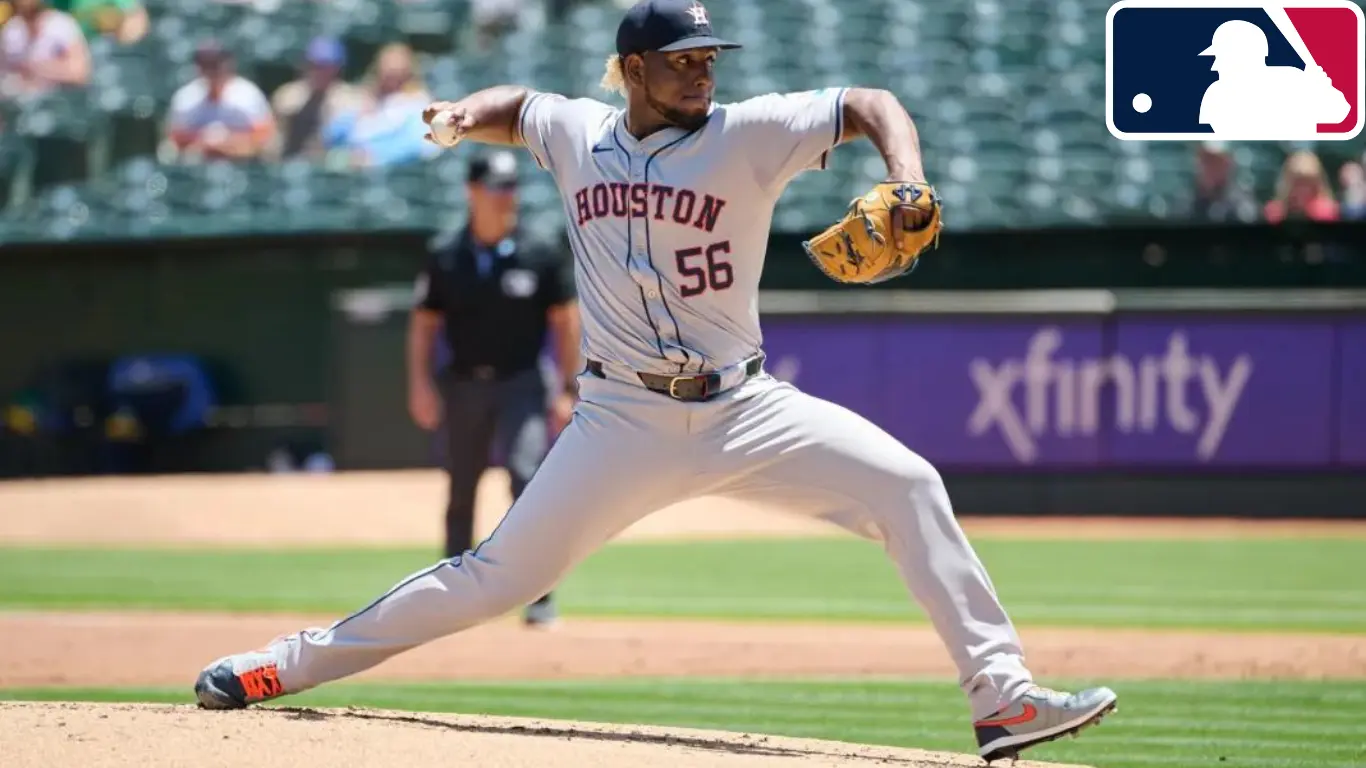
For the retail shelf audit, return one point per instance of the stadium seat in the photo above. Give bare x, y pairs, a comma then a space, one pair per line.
1007, 96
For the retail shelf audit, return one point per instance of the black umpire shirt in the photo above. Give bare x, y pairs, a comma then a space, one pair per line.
494, 299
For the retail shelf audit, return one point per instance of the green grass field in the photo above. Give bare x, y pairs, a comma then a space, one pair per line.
1235, 584
1235, 724
1249, 584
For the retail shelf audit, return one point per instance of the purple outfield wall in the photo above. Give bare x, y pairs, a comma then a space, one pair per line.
1158, 391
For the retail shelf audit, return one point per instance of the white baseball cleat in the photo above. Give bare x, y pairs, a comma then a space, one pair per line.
233, 682
1040, 716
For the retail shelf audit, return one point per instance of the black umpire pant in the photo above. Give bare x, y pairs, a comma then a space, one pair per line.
485, 416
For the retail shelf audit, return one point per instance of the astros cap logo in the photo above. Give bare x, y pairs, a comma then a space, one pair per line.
1284, 70
699, 14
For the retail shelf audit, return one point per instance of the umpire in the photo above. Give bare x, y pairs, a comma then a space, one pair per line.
496, 294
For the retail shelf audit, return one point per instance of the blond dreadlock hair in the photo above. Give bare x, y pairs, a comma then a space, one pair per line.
614, 76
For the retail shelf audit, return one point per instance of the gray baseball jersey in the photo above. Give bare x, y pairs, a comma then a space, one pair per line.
669, 235
669, 232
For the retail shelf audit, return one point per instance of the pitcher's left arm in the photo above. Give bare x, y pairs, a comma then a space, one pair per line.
879, 115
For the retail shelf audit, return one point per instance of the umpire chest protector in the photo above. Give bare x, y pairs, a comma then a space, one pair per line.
493, 299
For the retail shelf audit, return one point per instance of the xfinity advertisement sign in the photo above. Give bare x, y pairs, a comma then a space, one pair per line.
1153, 391
1038, 394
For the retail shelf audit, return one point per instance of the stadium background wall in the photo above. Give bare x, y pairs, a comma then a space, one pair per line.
290, 369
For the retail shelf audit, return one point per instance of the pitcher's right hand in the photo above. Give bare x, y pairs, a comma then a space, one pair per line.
447, 122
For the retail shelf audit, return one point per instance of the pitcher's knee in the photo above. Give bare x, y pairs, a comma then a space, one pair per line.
933, 482
918, 482
916, 473
500, 588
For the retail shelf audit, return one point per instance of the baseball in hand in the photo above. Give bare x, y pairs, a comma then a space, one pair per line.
445, 130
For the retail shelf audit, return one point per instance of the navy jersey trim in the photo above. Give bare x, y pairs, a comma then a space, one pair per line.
453, 562
649, 254
630, 243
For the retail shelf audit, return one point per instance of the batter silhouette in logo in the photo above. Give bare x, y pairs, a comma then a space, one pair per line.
1251, 100
1235, 70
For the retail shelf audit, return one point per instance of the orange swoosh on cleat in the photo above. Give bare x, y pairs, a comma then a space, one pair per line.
1029, 713
262, 683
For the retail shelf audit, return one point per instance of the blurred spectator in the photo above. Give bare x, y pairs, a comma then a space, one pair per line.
491, 19
122, 20
387, 129
1218, 197
41, 48
219, 114
557, 10
1302, 192
1352, 179
304, 106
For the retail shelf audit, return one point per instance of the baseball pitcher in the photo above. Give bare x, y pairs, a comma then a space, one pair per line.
669, 203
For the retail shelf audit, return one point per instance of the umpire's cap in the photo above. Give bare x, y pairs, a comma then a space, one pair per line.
496, 170
667, 25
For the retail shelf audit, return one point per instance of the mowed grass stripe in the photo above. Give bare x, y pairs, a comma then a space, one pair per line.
1186, 760
1283, 719
1198, 752
1050, 612
1199, 594
1261, 744
1159, 723
1267, 695
1247, 584
1222, 710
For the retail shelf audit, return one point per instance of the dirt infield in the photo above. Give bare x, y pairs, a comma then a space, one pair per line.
119, 735
402, 509
166, 649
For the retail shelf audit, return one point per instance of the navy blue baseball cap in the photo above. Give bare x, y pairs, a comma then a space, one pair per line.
667, 25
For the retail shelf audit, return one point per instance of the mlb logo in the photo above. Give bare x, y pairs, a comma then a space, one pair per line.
1285, 70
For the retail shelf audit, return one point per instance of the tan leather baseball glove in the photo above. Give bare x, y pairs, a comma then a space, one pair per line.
881, 236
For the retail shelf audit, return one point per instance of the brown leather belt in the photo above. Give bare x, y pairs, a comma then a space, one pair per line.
693, 388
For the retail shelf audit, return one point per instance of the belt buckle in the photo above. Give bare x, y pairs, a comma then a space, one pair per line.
673, 383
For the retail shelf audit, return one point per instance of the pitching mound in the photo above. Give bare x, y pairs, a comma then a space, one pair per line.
153, 736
